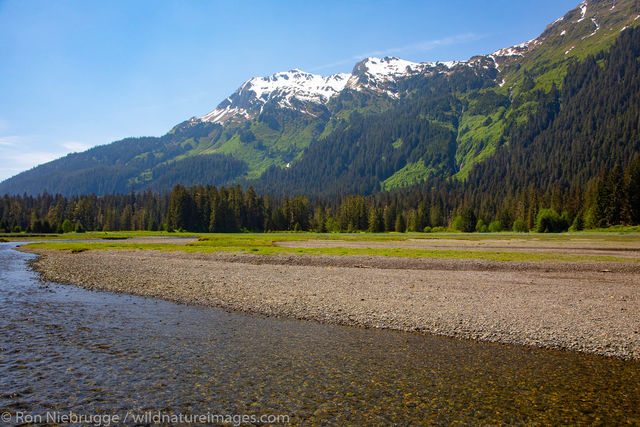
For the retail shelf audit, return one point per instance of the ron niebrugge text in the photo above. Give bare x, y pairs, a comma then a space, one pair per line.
149, 417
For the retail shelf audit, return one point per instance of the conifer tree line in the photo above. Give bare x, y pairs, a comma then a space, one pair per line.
611, 198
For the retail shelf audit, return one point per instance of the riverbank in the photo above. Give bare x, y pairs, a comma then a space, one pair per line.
587, 306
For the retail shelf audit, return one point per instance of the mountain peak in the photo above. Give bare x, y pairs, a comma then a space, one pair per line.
380, 75
387, 67
281, 88
372, 73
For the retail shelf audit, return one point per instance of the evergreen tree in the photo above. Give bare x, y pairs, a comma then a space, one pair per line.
390, 217
632, 178
376, 222
469, 220
400, 225
181, 207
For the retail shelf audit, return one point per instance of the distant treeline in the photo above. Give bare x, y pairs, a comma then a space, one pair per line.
609, 199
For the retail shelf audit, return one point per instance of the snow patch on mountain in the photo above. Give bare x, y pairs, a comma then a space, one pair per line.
516, 50
583, 11
223, 114
597, 27
389, 68
380, 74
304, 86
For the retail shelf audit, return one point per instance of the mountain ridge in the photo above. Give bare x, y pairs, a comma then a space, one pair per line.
271, 123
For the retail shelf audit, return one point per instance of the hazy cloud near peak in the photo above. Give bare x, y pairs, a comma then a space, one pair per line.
19, 153
76, 146
13, 140
422, 46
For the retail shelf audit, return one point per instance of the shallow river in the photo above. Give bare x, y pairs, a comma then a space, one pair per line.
71, 350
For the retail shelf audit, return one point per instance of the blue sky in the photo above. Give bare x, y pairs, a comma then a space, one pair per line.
75, 74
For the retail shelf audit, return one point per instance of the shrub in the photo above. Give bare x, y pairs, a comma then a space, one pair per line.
439, 230
519, 226
578, 223
427, 229
495, 227
457, 223
332, 226
465, 222
548, 221
481, 226
67, 226
79, 227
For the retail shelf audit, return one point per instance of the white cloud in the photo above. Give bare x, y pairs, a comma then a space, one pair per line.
10, 141
76, 146
422, 46
17, 154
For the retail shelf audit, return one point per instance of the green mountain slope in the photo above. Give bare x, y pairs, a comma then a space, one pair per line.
371, 133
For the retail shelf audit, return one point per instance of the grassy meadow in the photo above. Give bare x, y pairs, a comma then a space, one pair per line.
386, 244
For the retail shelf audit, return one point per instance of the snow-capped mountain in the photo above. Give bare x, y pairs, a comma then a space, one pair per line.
294, 89
303, 123
282, 87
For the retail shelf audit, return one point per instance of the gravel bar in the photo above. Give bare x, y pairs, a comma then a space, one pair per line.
582, 306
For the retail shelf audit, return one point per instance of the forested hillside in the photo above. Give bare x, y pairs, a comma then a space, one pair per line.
115, 168
357, 156
591, 124
575, 163
612, 198
392, 124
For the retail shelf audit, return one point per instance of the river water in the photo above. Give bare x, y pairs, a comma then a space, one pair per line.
72, 350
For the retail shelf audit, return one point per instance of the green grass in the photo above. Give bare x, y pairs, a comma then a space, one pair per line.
616, 233
92, 235
264, 244
412, 173
479, 141
616, 229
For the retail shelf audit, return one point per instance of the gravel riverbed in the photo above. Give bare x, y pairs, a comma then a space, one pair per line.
583, 306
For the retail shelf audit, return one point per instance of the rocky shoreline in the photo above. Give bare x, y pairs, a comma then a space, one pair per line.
587, 307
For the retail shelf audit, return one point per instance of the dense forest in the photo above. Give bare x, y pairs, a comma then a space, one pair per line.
574, 163
611, 198
366, 149
591, 124
115, 167
573, 132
